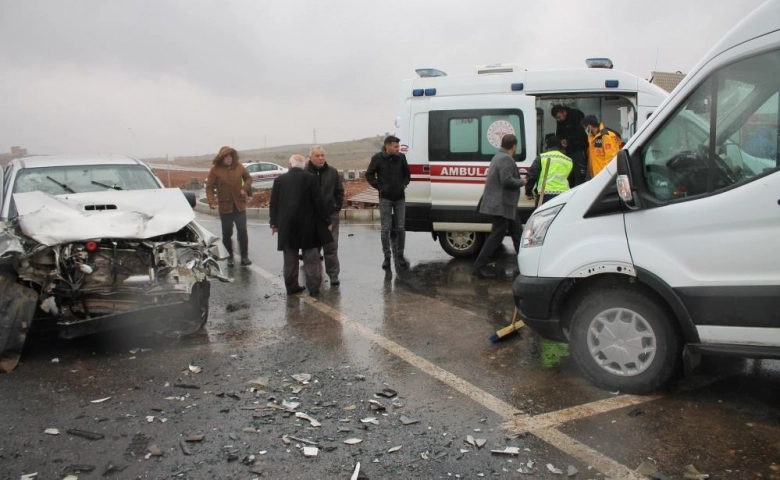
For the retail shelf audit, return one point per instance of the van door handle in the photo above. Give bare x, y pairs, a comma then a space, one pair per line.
427, 169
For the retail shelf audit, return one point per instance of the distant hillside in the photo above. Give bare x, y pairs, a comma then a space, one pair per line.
354, 154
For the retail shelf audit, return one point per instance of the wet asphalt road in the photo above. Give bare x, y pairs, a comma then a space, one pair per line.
423, 333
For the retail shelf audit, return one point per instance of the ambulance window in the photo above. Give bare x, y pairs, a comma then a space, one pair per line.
464, 135
724, 134
473, 135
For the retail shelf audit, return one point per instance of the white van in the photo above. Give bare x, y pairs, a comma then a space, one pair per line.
672, 251
450, 128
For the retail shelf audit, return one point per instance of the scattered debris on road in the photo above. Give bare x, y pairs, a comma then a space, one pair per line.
85, 434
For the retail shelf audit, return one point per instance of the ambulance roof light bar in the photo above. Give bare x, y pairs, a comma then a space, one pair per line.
430, 72
601, 62
500, 68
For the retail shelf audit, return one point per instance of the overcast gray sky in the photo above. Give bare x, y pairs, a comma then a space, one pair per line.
150, 77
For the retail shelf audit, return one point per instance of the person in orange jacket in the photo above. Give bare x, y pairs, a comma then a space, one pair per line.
227, 188
603, 144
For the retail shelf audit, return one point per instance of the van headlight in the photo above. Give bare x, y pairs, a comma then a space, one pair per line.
536, 227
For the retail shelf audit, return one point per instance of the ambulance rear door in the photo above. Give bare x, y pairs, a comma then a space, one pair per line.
463, 136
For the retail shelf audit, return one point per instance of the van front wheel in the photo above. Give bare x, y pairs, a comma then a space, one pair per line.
461, 244
623, 339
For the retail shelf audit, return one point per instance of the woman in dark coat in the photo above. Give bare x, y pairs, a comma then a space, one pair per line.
297, 214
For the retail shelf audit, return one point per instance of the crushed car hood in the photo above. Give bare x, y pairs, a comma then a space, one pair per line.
130, 214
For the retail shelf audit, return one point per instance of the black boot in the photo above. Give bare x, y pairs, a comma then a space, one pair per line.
386, 263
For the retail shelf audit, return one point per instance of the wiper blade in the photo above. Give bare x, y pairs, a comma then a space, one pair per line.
115, 187
64, 187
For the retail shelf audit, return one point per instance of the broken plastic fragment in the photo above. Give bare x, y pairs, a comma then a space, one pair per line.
302, 440
646, 468
481, 442
387, 393
195, 369
572, 471
55, 360
691, 473
154, 451
310, 451
408, 421
100, 400
52, 431
507, 451
395, 449
369, 420
470, 440
352, 441
85, 434
356, 473
314, 423
290, 405
526, 469
296, 390
259, 381
31, 476
50, 306
554, 470
351, 407
302, 377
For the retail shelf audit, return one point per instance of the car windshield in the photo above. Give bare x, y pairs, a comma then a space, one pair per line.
62, 179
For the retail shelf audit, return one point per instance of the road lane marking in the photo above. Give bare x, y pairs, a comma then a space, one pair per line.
542, 426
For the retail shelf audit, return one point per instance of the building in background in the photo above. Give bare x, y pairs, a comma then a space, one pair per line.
666, 80
18, 152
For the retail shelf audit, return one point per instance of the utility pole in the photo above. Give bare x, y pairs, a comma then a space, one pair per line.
168, 167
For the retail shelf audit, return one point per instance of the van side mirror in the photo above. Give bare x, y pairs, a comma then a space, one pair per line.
624, 181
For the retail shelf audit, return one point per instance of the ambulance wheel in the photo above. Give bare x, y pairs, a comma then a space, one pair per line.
461, 244
623, 338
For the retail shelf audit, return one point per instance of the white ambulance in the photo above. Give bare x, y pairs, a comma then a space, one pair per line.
451, 126
672, 251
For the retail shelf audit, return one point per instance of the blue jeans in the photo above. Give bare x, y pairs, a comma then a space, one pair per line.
392, 214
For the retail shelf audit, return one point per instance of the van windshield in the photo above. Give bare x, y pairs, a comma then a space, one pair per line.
725, 133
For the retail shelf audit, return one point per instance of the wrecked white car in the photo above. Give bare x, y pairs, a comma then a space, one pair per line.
90, 243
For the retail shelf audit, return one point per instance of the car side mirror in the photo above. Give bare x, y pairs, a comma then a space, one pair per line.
191, 198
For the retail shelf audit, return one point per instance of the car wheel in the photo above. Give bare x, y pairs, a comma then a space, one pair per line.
623, 339
17, 308
193, 317
461, 244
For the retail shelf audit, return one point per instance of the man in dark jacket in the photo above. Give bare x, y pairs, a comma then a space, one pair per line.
388, 172
332, 189
574, 140
297, 213
499, 200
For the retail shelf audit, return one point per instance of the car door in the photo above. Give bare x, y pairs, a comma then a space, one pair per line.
712, 229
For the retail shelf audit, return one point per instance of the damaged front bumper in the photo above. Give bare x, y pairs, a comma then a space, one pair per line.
83, 285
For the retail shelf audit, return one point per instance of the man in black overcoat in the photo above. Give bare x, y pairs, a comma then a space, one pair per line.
297, 214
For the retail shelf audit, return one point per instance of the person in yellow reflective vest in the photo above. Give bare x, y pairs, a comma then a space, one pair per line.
603, 144
549, 173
